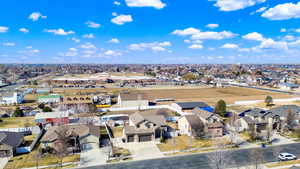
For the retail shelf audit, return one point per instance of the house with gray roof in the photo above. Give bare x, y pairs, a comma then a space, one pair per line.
144, 127
188, 106
9, 141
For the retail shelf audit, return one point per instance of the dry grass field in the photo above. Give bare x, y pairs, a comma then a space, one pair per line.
211, 95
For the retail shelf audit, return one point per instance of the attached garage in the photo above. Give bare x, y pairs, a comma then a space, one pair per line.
143, 138
130, 138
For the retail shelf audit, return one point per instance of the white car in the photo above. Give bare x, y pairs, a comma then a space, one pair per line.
286, 157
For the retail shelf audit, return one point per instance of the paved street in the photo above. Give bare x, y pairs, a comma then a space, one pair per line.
201, 161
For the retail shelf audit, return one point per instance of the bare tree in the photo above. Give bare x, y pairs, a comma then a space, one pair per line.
220, 158
37, 156
257, 158
290, 118
62, 143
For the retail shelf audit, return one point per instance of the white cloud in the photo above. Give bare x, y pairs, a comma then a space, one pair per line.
230, 46
112, 53
158, 49
213, 35
88, 45
297, 30
59, 31
271, 44
145, 3
186, 32
3, 29
121, 19
70, 52
283, 30
233, 5
154, 46
114, 40
36, 16
89, 36
92, 24
24, 30
117, 3
30, 52
283, 12
260, 10
75, 40
254, 36
196, 34
289, 37
196, 46
9, 44
295, 43
212, 25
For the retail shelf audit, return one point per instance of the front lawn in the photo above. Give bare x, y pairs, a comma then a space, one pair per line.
29, 160
183, 143
16, 122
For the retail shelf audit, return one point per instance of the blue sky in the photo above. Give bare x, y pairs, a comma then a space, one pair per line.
150, 31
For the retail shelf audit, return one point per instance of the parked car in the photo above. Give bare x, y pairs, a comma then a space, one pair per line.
286, 157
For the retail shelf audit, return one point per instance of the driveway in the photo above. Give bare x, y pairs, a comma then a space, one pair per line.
143, 150
92, 155
3, 161
279, 140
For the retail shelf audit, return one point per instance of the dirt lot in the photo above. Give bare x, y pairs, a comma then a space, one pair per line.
211, 95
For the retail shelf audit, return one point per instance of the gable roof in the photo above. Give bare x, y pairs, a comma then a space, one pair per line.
282, 111
256, 112
202, 113
191, 105
137, 118
194, 122
13, 139
80, 130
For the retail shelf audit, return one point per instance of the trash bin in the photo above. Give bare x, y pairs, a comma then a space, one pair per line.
263, 145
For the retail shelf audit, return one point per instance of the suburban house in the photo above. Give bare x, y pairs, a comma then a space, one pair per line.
78, 136
15, 98
188, 106
53, 118
201, 124
144, 128
191, 125
287, 86
132, 100
53, 98
212, 121
9, 142
280, 113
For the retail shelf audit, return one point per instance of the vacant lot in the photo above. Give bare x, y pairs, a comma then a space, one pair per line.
15, 122
211, 95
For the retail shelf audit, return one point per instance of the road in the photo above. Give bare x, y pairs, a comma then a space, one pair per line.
201, 161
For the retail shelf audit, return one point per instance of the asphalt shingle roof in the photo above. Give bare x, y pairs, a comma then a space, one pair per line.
191, 105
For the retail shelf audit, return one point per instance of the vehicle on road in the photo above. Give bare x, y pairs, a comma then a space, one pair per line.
286, 157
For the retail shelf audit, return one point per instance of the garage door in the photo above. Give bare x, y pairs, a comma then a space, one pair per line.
144, 138
130, 139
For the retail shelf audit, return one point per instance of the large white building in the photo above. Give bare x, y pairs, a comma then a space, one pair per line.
132, 100
16, 98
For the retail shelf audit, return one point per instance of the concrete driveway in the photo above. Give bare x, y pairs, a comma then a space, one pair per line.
143, 150
92, 155
3, 161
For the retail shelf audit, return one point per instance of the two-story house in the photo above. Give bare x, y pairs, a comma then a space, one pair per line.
144, 127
